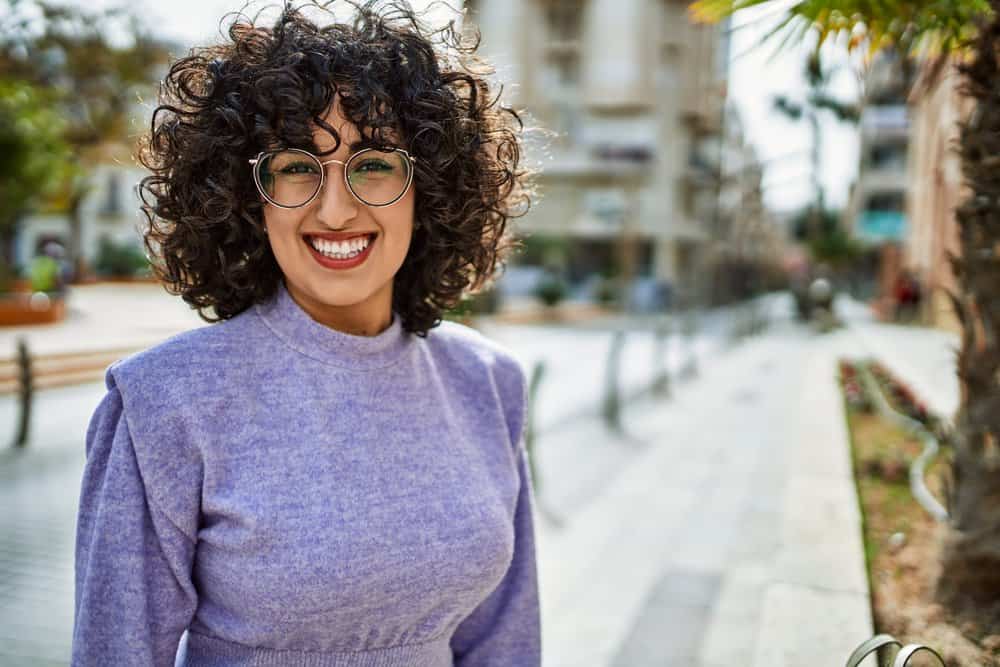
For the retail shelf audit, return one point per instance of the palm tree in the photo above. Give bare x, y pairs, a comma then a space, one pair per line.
816, 102
936, 30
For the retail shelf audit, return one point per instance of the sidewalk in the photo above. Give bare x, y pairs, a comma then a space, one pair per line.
924, 358
724, 530
125, 316
106, 316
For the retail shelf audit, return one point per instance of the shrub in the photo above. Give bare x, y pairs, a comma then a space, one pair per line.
120, 259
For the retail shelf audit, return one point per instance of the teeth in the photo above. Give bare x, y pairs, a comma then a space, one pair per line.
340, 250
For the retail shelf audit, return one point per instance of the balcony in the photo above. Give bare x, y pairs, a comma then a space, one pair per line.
885, 122
881, 226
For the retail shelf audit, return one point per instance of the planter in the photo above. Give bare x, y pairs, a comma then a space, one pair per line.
17, 309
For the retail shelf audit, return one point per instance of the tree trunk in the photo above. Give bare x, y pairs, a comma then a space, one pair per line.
75, 250
971, 560
8, 236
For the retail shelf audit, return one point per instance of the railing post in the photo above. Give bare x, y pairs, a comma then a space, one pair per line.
689, 331
661, 357
537, 373
612, 392
25, 393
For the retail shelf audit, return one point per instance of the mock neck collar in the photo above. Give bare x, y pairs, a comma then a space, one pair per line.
300, 331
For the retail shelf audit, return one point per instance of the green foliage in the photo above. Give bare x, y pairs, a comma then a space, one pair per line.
485, 302
551, 290
607, 290
545, 250
33, 156
927, 27
835, 248
830, 242
120, 259
94, 62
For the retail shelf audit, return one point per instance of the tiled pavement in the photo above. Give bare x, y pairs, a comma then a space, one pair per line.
39, 490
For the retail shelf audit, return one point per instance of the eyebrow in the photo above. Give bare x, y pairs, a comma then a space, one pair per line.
360, 144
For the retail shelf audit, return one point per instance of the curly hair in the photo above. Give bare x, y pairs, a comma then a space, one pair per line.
267, 86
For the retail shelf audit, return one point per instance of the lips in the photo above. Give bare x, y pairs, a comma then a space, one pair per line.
335, 263
337, 236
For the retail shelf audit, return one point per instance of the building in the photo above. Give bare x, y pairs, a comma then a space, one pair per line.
635, 94
748, 244
109, 213
877, 210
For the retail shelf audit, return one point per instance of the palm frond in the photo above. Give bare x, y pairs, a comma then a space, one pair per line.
927, 27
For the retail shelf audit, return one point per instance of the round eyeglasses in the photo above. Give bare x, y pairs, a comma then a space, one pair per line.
292, 177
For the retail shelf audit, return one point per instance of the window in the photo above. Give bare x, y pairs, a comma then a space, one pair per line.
559, 71
885, 201
563, 20
112, 206
887, 156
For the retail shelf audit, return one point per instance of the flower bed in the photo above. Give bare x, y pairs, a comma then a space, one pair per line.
902, 541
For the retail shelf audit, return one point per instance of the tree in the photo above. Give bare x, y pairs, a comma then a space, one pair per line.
937, 30
817, 101
93, 64
33, 159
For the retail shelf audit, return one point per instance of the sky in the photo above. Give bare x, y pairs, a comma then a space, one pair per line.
755, 78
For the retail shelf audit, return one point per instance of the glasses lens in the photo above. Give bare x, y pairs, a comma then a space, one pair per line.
378, 177
290, 178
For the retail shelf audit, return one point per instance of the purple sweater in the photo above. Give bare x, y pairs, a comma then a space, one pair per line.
288, 494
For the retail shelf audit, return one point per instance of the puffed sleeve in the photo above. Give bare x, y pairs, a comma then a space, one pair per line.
134, 595
505, 629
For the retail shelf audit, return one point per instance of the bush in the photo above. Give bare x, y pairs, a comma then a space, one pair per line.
120, 259
607, 291
551, 290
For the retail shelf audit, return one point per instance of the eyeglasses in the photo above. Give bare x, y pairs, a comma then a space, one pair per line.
292, 177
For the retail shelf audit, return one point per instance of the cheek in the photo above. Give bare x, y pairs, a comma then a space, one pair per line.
398, 227
281, 229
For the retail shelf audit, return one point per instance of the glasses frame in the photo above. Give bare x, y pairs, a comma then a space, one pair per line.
256, 161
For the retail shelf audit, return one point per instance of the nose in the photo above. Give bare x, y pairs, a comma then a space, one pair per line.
337, 204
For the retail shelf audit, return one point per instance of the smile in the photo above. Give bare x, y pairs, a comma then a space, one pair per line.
341, 254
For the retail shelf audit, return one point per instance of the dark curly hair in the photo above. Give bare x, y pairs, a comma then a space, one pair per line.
267, 86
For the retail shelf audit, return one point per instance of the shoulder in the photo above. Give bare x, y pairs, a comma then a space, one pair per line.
469, 353
166, 383
469, 348
189, 354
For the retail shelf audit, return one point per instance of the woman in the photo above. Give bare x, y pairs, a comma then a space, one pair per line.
329, 475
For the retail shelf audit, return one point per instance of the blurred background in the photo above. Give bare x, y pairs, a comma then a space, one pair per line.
722, 224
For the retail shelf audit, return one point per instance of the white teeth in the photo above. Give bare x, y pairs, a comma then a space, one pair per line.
341, 250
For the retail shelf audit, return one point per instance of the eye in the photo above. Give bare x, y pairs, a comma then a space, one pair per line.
299, 167
373, 166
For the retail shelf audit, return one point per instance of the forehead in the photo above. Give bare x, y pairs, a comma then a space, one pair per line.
350, 136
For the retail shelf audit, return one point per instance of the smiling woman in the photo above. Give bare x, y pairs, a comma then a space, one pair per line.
286, 97
330, 475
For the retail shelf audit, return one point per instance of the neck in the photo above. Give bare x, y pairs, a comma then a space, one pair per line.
367, 318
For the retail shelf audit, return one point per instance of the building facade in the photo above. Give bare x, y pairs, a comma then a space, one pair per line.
109, 213
877, 212
634, 94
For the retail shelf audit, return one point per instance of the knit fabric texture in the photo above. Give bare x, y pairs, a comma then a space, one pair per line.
270, 491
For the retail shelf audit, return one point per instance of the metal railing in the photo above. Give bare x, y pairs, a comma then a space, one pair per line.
884, 641
918, 485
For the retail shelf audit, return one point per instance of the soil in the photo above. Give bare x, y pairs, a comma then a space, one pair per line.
903, 545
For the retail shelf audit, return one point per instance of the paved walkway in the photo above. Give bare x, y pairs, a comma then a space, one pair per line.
924, 358
106, 316
724, 530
